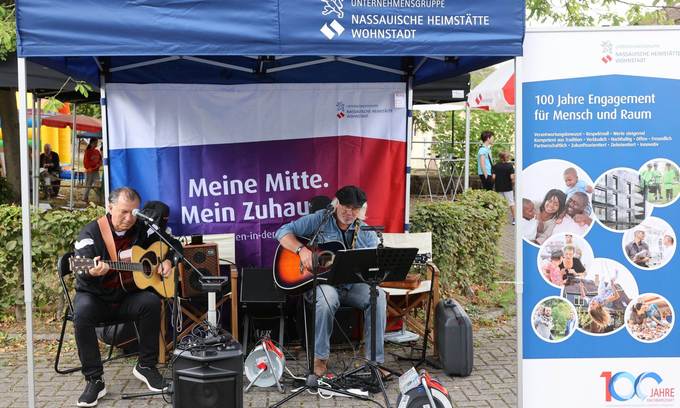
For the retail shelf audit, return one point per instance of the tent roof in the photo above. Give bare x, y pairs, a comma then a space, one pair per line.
221, 41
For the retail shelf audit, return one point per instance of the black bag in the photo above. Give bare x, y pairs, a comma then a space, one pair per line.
454, 338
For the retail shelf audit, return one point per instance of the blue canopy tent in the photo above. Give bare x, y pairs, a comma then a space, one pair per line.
266, 41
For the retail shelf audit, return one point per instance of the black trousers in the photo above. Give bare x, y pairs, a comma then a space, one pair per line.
487, 182
89, 310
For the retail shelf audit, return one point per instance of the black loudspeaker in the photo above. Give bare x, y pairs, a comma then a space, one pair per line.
211, 378
257, 286
206, 259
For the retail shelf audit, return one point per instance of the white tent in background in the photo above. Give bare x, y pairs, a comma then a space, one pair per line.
496, 93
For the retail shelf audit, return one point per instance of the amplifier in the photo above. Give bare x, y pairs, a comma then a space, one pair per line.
206, 259
209, 378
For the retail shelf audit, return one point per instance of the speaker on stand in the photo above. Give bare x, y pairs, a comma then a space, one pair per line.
206, 259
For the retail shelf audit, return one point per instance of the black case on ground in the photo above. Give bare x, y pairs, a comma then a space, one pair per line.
454, 338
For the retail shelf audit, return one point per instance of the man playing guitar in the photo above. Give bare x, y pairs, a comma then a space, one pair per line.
344, 226
100, 297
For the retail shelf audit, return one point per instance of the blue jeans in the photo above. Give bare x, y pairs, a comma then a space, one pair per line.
329, 299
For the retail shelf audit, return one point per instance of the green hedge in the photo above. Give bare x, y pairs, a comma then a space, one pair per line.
465, 236
53, 233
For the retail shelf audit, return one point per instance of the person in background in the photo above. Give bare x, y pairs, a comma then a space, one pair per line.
529, 221
551, 208
669, 181
667, 248
92, 161
49, 161
638, 250
503, 174
484, 162
645, 179
655, 182
574, 185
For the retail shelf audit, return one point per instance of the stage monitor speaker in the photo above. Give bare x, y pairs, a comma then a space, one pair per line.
206, 259
257, 286
210, 378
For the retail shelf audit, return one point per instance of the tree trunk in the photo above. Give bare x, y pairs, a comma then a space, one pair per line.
10, 136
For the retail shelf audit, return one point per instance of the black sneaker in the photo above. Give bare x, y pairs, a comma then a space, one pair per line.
94, 390
151, 377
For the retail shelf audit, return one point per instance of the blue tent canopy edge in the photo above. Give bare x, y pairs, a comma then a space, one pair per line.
232, 41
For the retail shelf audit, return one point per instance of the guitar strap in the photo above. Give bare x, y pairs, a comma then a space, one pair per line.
107, 235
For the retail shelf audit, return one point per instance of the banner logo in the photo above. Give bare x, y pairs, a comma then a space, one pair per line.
624, 386
606, 51
340, 106
334, 28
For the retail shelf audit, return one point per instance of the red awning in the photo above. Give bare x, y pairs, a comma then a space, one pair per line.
83, 122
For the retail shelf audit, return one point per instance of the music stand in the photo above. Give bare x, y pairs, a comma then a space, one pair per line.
371, 266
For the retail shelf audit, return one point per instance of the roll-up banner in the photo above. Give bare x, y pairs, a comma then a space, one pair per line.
600, 148
244, 159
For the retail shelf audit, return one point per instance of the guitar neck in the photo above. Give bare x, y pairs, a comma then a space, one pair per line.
125, 266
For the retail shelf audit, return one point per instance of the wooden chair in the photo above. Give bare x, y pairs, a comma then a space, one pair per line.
404, 303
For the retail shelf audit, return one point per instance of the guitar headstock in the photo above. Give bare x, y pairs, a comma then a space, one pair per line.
80, 265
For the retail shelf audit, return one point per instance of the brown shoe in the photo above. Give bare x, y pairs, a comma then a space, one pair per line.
320, 367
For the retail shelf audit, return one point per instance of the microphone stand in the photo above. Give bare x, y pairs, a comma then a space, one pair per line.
178, 257
312, 379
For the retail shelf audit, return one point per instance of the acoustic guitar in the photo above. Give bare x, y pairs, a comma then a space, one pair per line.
137, 273
290, 275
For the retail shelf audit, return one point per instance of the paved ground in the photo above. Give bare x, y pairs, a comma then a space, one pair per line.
493, 381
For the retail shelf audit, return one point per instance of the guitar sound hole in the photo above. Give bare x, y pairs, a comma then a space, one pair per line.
149, 261
148, 267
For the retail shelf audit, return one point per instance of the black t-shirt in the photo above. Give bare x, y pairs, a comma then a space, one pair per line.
578, 268
503, 172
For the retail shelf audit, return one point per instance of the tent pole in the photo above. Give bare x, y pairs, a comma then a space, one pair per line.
519, 243
26, 230
73, 156
409, 137
467, 146
34, 149
38, 144
105, 136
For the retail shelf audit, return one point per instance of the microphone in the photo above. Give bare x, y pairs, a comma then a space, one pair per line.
139, 214
372, 228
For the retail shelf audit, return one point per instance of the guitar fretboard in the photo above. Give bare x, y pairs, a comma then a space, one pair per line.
127, 266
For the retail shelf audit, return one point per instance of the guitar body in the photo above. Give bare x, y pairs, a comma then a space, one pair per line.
287, 267
136, 273
151, 258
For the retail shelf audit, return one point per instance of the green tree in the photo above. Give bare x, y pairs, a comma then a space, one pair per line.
597, 12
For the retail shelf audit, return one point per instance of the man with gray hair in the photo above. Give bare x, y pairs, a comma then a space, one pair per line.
100, 296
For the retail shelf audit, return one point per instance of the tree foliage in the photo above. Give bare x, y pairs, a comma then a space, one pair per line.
600, 12
8, 29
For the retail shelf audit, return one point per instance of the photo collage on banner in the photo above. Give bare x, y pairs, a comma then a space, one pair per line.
599, 189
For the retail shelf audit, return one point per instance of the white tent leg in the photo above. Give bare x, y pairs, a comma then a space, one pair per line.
35, 148
73, 157
409, 139
105, 137
519, 260
26, 230
467, 147
36, 159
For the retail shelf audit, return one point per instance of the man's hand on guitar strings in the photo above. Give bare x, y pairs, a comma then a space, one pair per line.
100, 268
165, 268
305, 259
